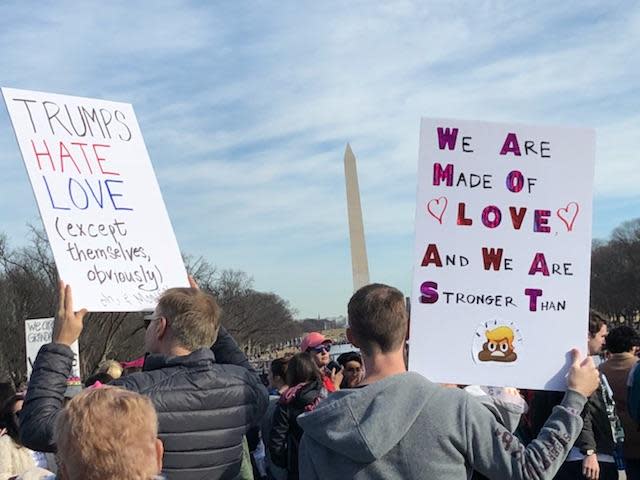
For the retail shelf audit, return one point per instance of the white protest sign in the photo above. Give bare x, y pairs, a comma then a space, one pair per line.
502, 253
99, 199
38, 332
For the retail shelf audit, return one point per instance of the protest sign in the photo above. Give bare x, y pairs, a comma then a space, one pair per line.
38, 332
99, 199
502, 252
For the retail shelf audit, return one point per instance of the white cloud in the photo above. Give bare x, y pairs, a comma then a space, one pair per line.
246, 109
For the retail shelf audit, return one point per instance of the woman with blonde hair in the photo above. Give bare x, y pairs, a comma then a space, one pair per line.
109, 433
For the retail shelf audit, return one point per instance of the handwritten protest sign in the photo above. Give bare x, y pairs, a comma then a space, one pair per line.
99, 199
38, 332
502, 252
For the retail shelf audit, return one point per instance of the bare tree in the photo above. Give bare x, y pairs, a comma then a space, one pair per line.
615, 277
260, 318
28, 289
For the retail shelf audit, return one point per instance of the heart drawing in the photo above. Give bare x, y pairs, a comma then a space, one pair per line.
568, 214
437, 207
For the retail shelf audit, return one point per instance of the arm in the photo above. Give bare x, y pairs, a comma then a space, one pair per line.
226, 350
45, 397
257, 398
541, 408
278, 439
261, 402
497, 453
586, 440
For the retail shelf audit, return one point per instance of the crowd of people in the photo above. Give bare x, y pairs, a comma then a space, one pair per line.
195, 408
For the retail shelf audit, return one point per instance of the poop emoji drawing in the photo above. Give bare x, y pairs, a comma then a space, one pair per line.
499, 346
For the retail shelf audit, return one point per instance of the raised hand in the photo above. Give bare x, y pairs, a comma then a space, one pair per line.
193, 283
68, 324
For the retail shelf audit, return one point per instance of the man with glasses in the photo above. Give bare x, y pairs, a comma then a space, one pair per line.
206, 397
320, 346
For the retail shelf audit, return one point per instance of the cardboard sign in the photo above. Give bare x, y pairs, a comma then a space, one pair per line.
98, 198
38, 332
502, 253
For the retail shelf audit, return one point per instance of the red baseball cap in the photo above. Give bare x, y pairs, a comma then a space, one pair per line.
312, 340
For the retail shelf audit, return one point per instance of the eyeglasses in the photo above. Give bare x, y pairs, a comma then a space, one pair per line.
322, 349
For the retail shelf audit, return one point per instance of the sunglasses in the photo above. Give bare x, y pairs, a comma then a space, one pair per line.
322, 349
150, 318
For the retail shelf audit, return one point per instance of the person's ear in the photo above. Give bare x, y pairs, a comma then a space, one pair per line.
351, 338
161, 328
159, 454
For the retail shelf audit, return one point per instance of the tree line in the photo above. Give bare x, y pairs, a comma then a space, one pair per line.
615, 274
28, 289
28, 280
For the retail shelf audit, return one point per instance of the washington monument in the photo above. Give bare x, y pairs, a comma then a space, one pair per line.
359, 261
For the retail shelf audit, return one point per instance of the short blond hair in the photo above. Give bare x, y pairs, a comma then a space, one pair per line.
193, 316
109, 434
111, 368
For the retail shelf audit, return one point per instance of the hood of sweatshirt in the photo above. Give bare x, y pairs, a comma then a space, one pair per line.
366, 423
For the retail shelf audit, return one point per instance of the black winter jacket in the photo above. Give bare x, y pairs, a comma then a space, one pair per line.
596, 430
285, 435
204, 406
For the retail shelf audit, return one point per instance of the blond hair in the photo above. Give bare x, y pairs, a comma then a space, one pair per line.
193, 316
108, 434
111, 368
500, 333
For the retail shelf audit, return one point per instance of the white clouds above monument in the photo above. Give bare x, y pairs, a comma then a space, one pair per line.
246, 110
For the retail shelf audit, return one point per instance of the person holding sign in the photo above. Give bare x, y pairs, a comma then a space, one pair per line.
399, 425
204, 407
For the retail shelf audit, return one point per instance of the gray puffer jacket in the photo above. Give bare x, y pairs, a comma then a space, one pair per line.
204, 406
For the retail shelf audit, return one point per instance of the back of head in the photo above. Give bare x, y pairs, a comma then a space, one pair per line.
110, 367
6, 391
9, 418
279, 367
378, 318
193, 316
347, 357
108, 433
302, 368
622, 339
596, 321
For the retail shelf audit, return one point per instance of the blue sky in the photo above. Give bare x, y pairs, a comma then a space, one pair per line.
246, 108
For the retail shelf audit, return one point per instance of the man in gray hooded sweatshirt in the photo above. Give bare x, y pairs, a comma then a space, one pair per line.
399, 425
